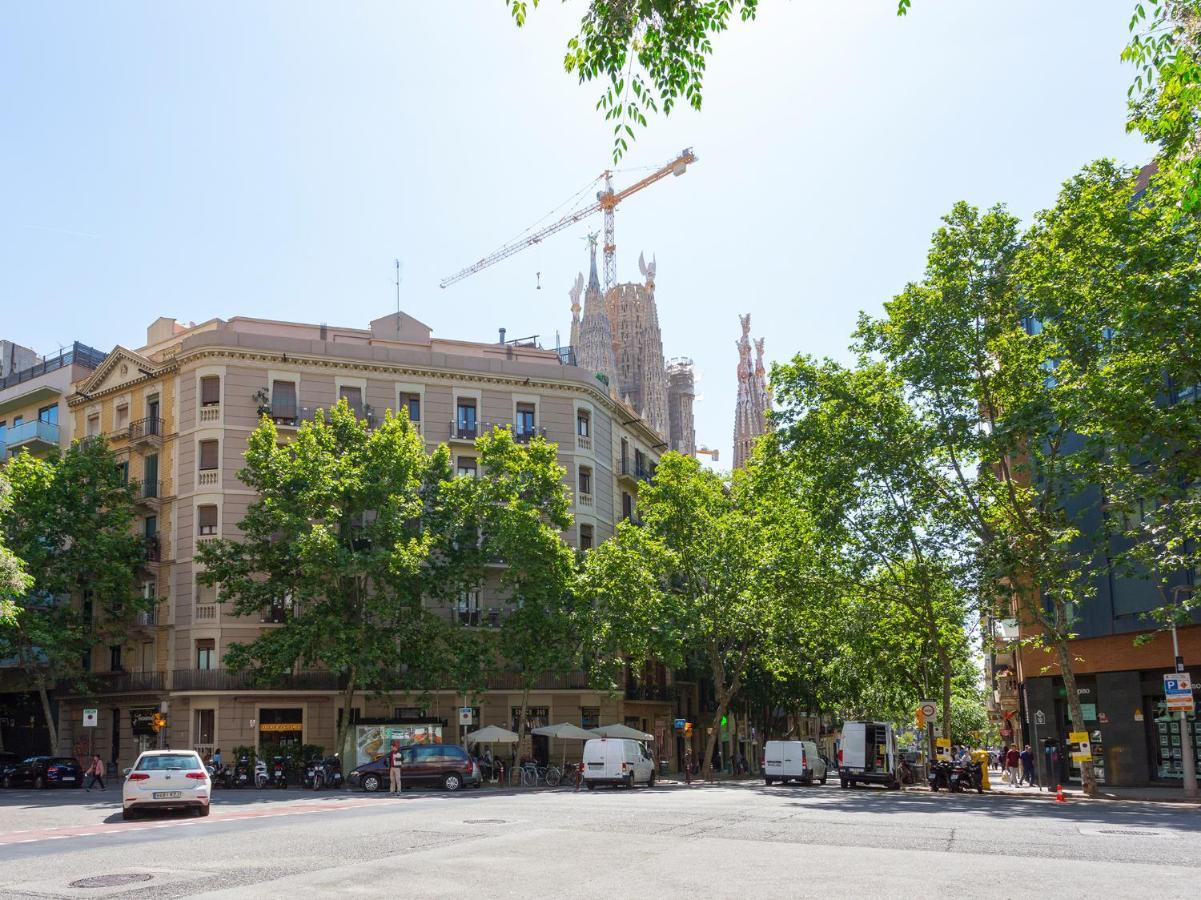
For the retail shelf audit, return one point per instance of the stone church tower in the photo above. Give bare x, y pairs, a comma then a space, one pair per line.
754, 399
638, 346
594, 351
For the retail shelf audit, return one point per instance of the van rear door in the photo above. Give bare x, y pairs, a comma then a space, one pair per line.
852, 750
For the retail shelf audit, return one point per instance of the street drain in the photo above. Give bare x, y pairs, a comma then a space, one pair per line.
103, 881
484, 821
1127, 831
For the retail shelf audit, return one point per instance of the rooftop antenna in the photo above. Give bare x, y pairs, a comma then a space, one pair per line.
396, 263
538, 275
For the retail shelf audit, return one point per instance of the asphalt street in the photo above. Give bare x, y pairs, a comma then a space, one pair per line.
724, 840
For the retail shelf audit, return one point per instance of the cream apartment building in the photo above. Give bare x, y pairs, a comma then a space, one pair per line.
211, 382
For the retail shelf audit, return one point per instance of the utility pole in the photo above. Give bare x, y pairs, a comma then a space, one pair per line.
1188, 750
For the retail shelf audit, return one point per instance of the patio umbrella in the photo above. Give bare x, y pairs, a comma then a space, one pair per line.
493, 734
565, 732
623, 731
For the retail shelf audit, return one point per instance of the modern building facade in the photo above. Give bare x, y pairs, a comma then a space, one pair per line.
204, 387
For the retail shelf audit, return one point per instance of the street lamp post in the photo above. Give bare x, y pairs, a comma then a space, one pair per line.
1188, 751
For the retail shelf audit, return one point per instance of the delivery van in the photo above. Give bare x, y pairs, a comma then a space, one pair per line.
867, 753
617, 761
785, 761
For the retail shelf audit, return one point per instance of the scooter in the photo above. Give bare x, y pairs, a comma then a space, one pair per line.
260, 773
939, 776
240, 777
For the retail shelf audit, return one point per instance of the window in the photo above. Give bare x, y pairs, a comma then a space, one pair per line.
210, 390
148, 656
123, 471
639, 463
205, 730
3, 428
114, 659
469, 608
206, 520
590, 717
206, 655
525, 420
208, 455
412, 402
93, 425
49, 414
465, 419
150, 527
353, 397
585, 480
627, 505
583, 423
625, 456
408, 712
585, 537
467, 467
150, 476
356, 713
122, 416
283, 402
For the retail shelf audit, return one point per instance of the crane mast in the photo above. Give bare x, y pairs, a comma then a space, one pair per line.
606, 201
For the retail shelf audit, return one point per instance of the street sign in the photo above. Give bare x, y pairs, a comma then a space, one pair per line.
91, 718
1178, 692
1040, 717
679, 723
929, 710
465, 715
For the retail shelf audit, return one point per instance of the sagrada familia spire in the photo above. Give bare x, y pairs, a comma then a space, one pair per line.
754, 399
594, 348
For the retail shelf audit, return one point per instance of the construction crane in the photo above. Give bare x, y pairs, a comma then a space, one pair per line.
606, 201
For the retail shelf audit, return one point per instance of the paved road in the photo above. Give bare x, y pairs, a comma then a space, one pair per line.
729, 840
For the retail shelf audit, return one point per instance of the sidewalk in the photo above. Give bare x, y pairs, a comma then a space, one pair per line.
999, 788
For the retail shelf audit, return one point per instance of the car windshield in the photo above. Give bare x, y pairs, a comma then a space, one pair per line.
168, 761
63, 761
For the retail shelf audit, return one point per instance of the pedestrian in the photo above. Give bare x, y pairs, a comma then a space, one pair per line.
1027, 757
394, 764
96, 772
217, 759
1012, 760
688, 766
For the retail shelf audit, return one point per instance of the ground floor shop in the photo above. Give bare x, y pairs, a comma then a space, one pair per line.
1135, 742
124, 727
23, 728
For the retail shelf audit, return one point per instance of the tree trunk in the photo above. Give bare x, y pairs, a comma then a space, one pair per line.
344, 728
525, 707
50, 724
946, 692
1087, 777
714, 735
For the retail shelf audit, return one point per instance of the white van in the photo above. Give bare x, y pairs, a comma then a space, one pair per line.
785, 761
617, 761
867, 753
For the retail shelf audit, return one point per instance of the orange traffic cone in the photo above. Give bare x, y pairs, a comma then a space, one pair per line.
1059, 798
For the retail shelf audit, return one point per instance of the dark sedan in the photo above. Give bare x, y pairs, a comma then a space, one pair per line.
45, 771
7, 761
434, 765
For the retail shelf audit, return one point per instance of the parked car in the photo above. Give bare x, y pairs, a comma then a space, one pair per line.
442, 765
868, 753
166, 779
8, 759
617, 761
785, 761
46, 771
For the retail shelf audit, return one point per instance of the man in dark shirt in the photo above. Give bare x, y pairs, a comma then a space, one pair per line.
1027, 757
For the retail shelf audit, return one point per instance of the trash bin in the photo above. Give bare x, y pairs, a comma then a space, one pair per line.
980, 757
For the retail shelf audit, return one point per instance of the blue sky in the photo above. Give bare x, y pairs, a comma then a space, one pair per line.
272, 158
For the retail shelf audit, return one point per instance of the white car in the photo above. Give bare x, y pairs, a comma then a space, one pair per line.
617, 761
166, 779
785, 761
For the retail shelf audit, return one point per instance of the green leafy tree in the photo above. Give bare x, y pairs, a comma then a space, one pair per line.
13, 579
353, 527
1114, 286
71, 521
524, 508
1165, 98
695, 580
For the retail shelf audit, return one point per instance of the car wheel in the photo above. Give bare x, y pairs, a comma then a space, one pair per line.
650, 782
843, 783
371, 783
452, 782
630, 781
8, 782
39, 782
591, 785
129, 814
825, 775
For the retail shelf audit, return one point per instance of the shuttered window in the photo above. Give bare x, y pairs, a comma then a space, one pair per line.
208, 455
210, 390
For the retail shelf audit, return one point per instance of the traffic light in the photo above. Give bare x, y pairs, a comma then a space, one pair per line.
724, 722
687, 729
159, 722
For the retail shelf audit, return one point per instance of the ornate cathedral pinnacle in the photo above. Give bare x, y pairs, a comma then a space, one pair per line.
595, 349
754, 399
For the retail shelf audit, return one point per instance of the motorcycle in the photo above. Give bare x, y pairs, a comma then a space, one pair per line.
331, 772
314, 774
260, 773
939, 776
240, 776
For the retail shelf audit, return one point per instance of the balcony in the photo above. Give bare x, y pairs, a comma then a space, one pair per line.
36, 436
204, 612
120, 683
525, 435
654, 692
149, 492
546, 681
210, 414
464, 431
208, 478
225, 680
625, 471
582, 499
583, 442
149, 618
148, 431
152, 550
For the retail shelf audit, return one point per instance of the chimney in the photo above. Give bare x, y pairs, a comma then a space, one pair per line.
502, 335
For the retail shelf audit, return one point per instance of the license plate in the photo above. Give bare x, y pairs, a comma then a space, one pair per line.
167, 795
68, 778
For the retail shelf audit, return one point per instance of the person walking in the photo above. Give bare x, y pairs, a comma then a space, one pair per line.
395, 759
688, 766
1027, 757
96, 772
1012, 760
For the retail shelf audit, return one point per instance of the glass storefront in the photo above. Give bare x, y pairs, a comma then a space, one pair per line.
280, 731
1168, 743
